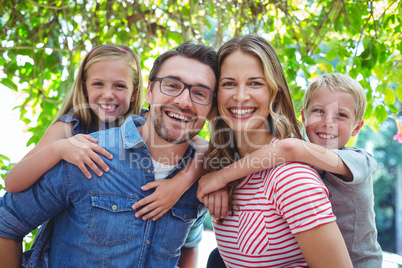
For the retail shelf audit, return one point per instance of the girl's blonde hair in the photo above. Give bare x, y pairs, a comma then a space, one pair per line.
76, 103
338, 82
281, 119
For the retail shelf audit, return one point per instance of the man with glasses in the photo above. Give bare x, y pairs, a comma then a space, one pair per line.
95, 225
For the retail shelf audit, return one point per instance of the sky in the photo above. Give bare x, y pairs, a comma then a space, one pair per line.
13, 139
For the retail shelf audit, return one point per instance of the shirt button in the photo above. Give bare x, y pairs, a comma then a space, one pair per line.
148, 242
149, 171
114, 207
143, 146
185, 216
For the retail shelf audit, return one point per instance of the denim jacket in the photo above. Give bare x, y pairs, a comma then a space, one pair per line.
94, 222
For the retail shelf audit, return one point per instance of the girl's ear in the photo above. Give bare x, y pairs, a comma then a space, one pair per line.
132, 98
358, 127
84, 88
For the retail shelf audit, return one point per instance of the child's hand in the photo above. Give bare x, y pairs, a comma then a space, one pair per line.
217, 203
208, 183
82, 151
159, 202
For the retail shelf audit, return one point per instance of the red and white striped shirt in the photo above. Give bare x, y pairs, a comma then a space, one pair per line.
270, 207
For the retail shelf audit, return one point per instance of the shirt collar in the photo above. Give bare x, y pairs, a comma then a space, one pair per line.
131, 136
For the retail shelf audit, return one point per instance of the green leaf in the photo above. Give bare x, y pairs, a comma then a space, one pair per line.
393, 109
9, 83
399, 93
331, 54
380, 114
389, 96
341, 66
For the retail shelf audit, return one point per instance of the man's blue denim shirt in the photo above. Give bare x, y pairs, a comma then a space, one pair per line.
94, 222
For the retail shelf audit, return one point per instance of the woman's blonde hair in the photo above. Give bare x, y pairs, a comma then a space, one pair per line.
338, 82
76, 103
281, 119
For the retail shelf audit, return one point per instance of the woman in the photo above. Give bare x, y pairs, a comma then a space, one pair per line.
280, 217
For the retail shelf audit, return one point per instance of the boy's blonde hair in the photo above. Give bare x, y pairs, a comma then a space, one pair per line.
76, 103
338, 82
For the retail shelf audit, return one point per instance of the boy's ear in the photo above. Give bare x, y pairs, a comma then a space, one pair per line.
303, 118
358, 127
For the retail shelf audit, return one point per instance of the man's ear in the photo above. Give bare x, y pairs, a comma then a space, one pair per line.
148, 93
303, 117
358, 127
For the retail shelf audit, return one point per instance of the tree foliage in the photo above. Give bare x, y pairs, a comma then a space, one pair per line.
43, 42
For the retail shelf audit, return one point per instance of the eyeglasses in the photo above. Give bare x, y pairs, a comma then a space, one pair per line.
198, 94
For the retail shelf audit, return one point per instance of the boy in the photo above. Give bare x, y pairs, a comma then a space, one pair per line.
333, 109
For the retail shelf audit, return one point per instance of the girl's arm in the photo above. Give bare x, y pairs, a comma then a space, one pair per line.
55, 145
168, 191
286, 150
323, 246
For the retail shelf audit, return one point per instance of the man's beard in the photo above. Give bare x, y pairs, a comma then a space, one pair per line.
166, 134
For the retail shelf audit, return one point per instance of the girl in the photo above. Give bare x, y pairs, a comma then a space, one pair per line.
280, 217
108, 87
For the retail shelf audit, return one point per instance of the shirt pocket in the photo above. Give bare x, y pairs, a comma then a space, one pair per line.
252, 233
111, 218
178, 226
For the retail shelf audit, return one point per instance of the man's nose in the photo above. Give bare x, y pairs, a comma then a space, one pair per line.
184, 100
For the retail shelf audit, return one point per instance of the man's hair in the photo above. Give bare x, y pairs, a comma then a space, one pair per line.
338, 82
200, 52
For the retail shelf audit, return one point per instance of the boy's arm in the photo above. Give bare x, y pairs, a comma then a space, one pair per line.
10, 253
286, 150
168, 191
53, 147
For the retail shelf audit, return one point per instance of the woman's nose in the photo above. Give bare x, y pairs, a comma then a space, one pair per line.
241, 94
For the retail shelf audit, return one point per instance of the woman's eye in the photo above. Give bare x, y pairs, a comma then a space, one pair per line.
228, 84
255, 83
97, 84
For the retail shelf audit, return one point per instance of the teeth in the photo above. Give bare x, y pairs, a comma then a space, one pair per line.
242, 111
325, 136
178, 116
108, 107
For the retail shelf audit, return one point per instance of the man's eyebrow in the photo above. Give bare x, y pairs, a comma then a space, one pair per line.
181, 80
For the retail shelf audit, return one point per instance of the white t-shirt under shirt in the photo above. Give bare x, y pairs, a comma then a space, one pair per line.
162, 170
270, 207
